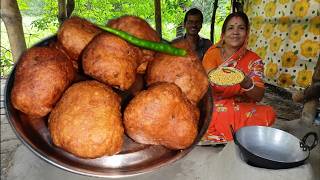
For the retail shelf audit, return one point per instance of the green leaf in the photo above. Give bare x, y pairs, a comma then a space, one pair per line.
295, 52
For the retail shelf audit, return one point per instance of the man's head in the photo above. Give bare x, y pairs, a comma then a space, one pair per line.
193, 21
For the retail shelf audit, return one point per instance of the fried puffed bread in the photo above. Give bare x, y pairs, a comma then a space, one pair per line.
87, 121
162, 115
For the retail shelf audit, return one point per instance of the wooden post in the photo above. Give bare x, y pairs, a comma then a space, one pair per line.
70, 7
12, 19
233, 4
239, 6
62, 12
157, 9
213, 20
65, 9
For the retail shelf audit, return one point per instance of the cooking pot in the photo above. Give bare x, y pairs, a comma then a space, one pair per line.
272, 148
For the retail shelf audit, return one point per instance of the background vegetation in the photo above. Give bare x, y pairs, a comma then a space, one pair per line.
40, 18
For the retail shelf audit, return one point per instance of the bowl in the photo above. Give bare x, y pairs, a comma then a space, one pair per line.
133, 159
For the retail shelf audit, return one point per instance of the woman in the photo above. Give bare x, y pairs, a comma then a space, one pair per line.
236, 105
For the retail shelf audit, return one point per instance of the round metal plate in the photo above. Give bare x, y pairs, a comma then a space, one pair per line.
134, 158
227, 71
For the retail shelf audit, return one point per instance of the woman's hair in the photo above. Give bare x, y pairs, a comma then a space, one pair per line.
242, 15
193, 11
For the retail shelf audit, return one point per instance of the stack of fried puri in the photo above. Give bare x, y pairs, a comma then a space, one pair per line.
186, 72
41, 77
162, 115
87, 121
141, 29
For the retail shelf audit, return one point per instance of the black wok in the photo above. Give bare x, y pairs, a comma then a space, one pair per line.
272, 148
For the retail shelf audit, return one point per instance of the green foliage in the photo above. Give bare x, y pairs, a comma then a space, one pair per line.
23, 5
100, 11
48, 16
6, 61
44, 15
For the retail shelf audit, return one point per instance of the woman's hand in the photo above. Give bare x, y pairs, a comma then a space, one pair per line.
253, 92
247, 83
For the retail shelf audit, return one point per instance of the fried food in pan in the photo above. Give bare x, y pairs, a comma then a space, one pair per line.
87, 121
162, 115
42, 75
140, 28
186, 72
111, 60
75, 34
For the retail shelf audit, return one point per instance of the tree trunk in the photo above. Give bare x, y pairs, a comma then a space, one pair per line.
213, 20
12, 19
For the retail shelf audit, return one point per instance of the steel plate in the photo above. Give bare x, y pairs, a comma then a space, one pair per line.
134, 158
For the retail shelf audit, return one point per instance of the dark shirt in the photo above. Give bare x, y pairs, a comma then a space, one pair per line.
202, 46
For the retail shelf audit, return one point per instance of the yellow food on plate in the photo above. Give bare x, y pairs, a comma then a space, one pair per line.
225, 76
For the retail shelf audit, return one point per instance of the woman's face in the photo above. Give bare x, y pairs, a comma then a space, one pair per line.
235, 33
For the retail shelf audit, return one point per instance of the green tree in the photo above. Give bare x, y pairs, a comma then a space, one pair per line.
100, 11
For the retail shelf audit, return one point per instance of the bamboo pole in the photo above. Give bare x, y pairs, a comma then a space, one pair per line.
65, 9
62, 12
213, 20
157, 13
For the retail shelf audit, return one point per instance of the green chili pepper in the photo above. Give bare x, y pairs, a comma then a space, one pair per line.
155, 46
226, 70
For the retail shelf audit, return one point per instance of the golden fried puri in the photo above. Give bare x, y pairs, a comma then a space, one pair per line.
41, 77
110, 60
141, 29
87, 121
74, 35
186, 72
162, 115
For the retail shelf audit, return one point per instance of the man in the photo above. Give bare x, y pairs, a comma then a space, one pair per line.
193, 23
